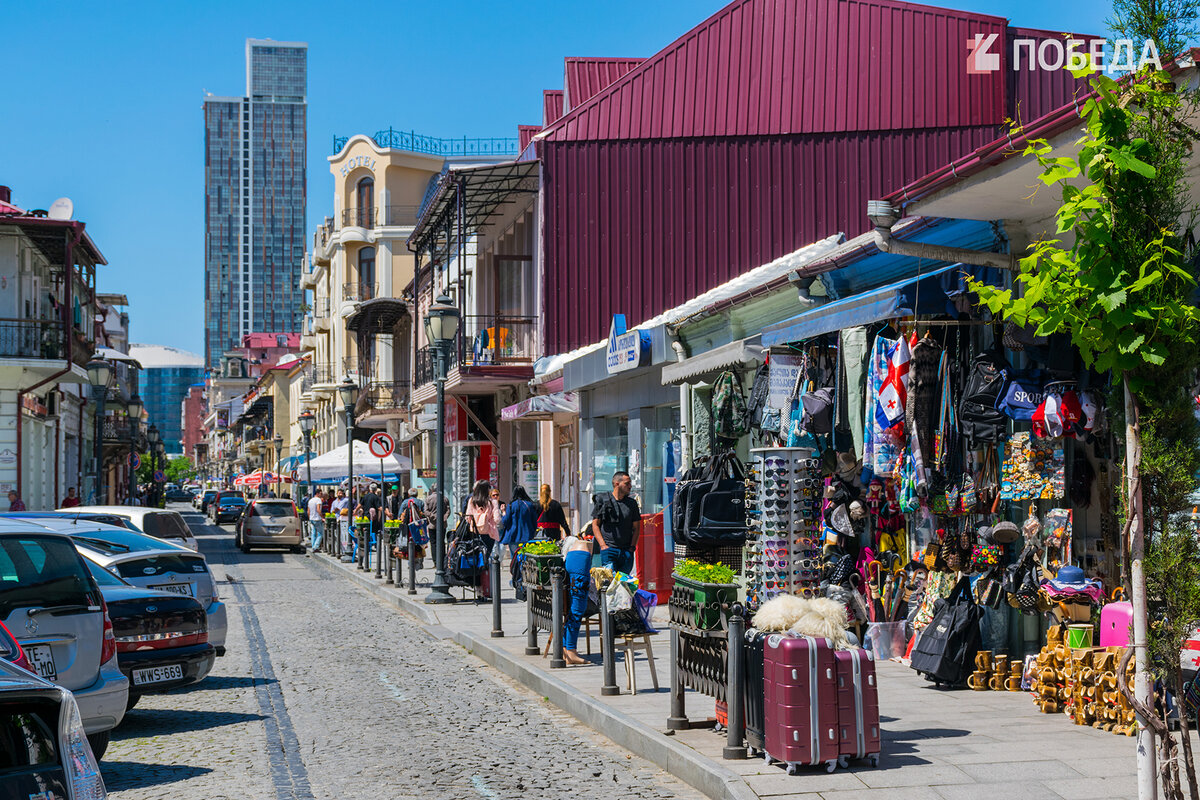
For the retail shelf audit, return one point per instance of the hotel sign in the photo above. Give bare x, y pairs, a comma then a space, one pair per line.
626, 349
356, 162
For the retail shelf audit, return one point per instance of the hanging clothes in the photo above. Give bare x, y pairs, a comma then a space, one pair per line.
881, 446
921, 412
854, 353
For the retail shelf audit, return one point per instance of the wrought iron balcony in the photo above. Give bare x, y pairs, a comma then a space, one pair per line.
359, 292
324, 373
119, 429
401, 215
489, 339
425, 370
32, 338
415, 143
387, 396
359, 217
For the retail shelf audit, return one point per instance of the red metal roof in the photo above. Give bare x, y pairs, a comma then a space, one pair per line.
552, 106
525, 134
583, 78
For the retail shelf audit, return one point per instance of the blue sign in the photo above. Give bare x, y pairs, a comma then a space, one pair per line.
626, 349
135, 460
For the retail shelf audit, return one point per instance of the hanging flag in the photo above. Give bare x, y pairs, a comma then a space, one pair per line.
893, 394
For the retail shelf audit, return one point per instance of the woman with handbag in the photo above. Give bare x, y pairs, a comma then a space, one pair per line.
483, 515
519, 524
552, 524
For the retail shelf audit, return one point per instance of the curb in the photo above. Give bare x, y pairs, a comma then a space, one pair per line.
679, 760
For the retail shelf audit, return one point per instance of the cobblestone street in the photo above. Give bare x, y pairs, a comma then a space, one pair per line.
326, 693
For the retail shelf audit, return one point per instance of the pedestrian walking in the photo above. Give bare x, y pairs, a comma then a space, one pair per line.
435, 501
15, 503
71, 500
617, 524
483, 512
316, 521
371, 507
519, 523
552, 524
341, 511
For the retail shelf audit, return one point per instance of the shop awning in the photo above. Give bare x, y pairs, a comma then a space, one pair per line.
705, 365
542, 406
931, 294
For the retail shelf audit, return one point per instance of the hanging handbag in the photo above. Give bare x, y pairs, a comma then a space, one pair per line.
945, 651
989, 590
1021, 584
715, 514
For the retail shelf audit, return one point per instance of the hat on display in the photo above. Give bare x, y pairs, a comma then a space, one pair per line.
1005, 532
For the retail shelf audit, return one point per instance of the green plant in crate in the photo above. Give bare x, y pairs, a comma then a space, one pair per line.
541, 548
541, 555
711, 587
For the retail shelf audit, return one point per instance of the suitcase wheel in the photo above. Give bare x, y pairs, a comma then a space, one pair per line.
875, 760
793, 769
832, 764
843, 762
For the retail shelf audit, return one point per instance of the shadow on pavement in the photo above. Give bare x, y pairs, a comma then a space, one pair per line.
157, 722
120, 775
224, 682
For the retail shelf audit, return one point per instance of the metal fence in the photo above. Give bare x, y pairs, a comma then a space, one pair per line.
32, 338
416, 143
498, 340
387, 395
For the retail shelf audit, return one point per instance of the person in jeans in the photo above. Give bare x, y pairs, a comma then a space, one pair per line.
316, 521
519, 523
577, 553
617, 524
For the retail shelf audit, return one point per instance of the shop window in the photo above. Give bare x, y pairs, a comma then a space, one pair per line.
662, 427
366, 272
610, 451
366, 201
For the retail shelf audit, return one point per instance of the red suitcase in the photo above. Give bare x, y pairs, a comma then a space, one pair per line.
800, 708
858, 706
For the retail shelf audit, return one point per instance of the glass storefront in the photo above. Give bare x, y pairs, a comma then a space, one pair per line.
661, 428
610, 452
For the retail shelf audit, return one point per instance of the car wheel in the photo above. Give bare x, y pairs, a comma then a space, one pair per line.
99, 743
245, 548
132, 701
298, 549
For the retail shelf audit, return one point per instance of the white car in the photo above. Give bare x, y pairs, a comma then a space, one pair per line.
161, 524
51, 604
150, 563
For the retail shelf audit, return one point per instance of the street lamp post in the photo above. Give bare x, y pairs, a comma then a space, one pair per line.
278, 459
99, 374
152, 437
349, 394
133, 414
162, 467
441, 328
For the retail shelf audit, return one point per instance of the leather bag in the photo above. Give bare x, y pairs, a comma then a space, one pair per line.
945, 651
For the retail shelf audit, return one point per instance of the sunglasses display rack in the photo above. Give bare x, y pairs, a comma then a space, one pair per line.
783, 552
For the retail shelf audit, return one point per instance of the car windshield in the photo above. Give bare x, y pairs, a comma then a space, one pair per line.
209, 495
115, 542
275, 509
233, 501
160, 565
42, 571
103, 576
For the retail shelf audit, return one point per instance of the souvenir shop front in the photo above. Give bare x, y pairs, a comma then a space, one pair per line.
899, 440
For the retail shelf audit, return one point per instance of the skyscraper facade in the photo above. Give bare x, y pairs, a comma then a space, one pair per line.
168, 373
254, 199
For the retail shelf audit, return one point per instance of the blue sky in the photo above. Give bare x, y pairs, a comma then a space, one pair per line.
102, 102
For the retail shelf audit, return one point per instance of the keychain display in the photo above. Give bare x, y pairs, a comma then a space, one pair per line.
1033, 469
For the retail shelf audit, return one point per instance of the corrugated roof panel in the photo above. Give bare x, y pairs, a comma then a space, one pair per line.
583, 78
525, 134
1033, 93
552, 106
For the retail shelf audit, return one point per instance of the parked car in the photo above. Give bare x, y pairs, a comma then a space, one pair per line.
201, 500
142, 561
226, 507
10, 649
177, 495
87, 516
50, 602
269, 522
162, 638
46, 752
157, 522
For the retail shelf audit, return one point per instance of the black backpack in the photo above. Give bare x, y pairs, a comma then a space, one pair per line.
945, 650
979, 419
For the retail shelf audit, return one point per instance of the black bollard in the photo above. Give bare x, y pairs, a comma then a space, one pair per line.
390, 559
379, 554
412, 564
735, 675
678, 720
557, 585
531, 641
497, 622
608, 647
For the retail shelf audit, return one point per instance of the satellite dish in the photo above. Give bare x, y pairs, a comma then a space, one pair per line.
62, 208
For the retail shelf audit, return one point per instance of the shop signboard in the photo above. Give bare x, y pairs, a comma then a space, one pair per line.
626, 349
784, 371
528, 475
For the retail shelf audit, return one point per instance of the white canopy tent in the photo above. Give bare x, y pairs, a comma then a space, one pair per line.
334, 465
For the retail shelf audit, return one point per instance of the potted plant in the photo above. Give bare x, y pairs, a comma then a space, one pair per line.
704, 589
540, 556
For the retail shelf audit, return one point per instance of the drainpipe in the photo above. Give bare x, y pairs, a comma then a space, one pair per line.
884, 215
685, 414
68, 334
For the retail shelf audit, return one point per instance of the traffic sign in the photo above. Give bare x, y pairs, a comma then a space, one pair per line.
159, 476
295, 476
135, 459
381, 445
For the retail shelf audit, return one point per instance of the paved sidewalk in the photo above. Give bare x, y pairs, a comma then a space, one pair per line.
938, 744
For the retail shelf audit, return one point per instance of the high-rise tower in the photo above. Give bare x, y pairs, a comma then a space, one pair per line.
254, 199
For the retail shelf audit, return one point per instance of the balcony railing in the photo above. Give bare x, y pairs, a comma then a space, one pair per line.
320, 309
359, 217
498, 340
426, 369
324, 373
119, 429
32, 338
401, 215
391, 396
415, 143
359, 292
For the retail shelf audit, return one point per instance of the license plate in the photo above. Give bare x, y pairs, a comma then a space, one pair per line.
184, 589
170, 672
42, 659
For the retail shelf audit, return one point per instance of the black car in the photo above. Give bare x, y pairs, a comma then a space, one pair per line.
178, 496
43, 749
226, 507
206, 498
162, 638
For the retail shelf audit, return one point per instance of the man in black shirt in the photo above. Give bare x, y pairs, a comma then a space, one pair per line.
617, 524
372, 509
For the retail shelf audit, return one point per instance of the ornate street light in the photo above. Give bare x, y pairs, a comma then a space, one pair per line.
307, 423
441, 328
133, 413
99, 374
348, 391
152, 437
